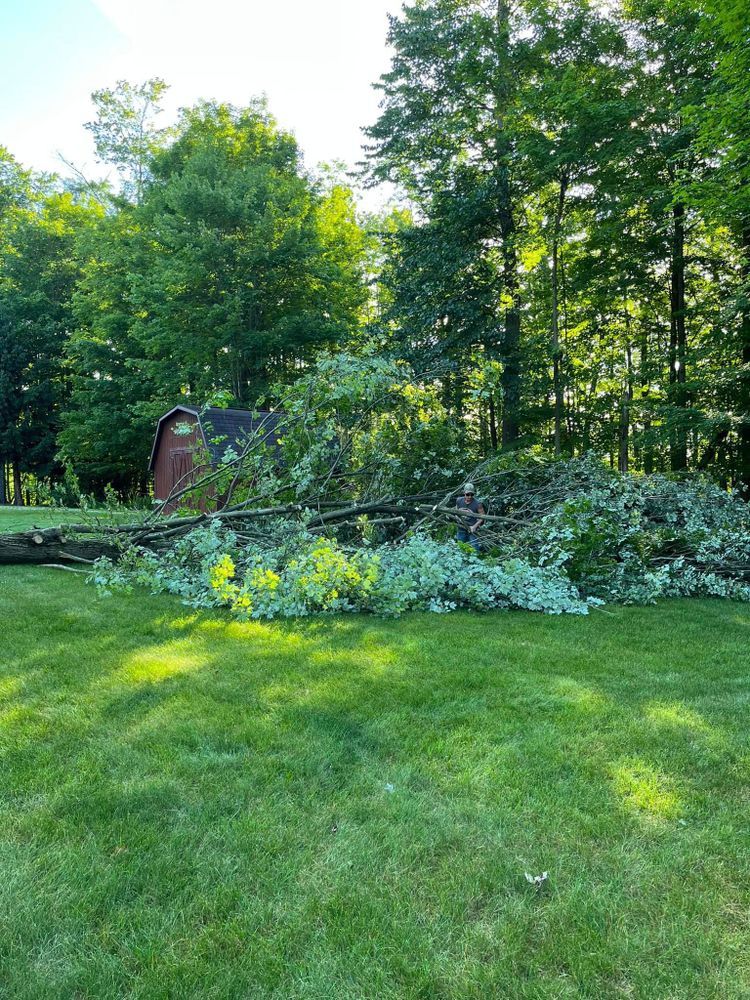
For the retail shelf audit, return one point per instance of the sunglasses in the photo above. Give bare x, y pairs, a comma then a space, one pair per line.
468, 494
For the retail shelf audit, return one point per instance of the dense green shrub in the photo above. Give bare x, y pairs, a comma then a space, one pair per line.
634, 539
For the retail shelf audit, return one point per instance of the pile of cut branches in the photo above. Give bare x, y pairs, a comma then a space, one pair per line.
393, 517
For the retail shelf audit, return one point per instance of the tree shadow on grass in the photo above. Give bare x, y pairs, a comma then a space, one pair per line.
267, 775
194, 673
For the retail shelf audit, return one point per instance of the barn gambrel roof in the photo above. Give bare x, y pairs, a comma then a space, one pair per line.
223, 428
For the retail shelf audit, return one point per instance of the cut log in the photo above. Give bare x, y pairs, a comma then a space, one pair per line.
51, 545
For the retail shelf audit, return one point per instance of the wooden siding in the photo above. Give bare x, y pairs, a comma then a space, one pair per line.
173, 456
174, 460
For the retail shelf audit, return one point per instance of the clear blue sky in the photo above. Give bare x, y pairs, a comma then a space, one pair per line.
315, 59
49, 53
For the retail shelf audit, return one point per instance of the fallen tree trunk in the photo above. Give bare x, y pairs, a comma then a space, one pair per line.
51, 545
81, 543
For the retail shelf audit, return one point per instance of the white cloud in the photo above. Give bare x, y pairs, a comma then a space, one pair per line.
316, 61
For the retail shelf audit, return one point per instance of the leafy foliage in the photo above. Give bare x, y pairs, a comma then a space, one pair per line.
607, 537
231, 272
580, 217
125, 132
568, 269
207, 569
40, 226
375, 419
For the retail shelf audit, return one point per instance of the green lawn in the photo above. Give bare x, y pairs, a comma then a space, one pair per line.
345, 808
26, 518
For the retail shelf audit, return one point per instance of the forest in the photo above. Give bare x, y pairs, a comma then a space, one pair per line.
565, 266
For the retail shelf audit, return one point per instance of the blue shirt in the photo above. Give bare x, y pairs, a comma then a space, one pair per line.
473, 505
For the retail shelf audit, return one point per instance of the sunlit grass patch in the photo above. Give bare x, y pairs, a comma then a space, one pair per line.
645, 790
677, 715
9, 687
160, 662
582, 696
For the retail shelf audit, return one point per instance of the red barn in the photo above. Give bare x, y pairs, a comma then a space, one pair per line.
189, 441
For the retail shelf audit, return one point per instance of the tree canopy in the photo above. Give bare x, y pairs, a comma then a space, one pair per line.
569, 267
230, 272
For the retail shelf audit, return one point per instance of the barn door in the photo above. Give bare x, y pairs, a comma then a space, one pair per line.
180, 466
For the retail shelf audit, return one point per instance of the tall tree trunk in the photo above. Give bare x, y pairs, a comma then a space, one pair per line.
623, 457
239, 377
570, 396
511, 339
678, 339
648, 446
556, 352
493, 424
511, 376
17, 488
457, 403
483, 447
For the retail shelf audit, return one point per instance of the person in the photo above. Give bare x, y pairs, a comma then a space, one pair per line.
467, 529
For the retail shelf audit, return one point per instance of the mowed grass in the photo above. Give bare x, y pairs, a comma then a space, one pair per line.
345, 808
25, 518
13, 519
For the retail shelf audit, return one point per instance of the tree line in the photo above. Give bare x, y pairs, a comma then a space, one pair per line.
568, 264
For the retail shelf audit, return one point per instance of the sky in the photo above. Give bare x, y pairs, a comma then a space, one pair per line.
314, 59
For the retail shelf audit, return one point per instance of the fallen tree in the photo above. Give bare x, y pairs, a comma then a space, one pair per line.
361, 467
87, 542
614, 537
54, 545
